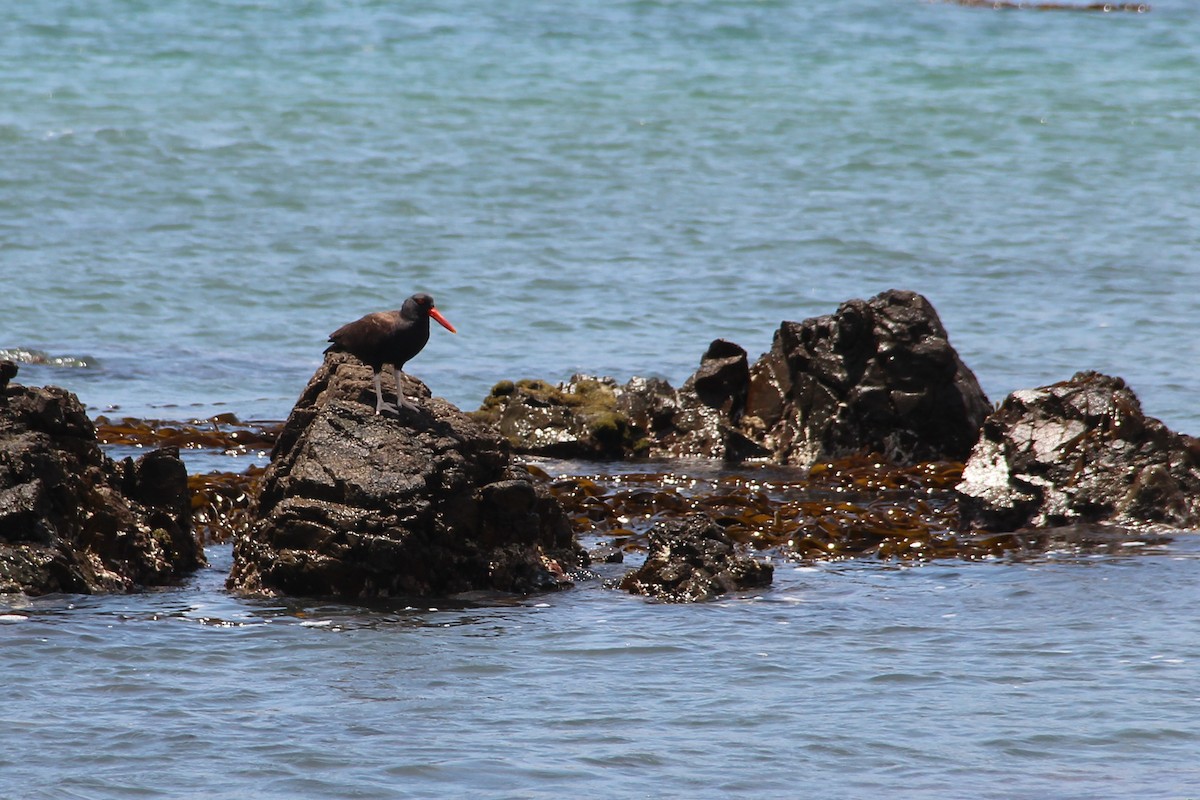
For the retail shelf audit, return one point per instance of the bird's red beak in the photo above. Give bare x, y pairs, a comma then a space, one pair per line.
445, 323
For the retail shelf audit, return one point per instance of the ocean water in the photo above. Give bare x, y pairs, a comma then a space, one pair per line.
192, 195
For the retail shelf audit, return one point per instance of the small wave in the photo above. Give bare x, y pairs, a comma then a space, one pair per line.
26, 356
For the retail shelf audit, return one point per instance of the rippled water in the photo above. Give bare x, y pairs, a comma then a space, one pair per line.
192, 195
196, 194
1069, 677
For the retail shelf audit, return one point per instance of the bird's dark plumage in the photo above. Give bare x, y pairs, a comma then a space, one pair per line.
389, 337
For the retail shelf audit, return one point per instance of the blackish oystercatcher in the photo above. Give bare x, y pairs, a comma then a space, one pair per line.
389, 337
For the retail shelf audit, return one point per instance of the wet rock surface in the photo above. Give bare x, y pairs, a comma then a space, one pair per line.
703, 418
430, 502
220, 500
72, 519
591, 417
424, 503
1080, 451
692, 560
578, 419
8, 371
876, 376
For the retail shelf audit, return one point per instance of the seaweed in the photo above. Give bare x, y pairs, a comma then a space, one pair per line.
856, 507
221, 502
224, 432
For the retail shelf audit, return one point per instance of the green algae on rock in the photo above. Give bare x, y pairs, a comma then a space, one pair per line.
578, 419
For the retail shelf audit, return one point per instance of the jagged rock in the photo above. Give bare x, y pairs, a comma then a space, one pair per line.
702, 419
1080, 451
878, 375
72, 519
427, 503
590, 417
692, 559
723, 378
8, 371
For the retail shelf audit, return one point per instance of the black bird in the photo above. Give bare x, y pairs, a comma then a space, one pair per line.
389, 337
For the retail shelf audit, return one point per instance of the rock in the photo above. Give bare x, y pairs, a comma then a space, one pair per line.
590, 417
702, 419
1026, 5
72, 519
877, 375
8, 371
606, 554
577, 419
429, 503
692, 559
723, 378
1080, 451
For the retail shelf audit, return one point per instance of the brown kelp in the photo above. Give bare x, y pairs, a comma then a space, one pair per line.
220, 500
854, 507
224, 433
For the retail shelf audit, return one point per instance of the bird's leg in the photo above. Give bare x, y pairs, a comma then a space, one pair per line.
401, 400
379, 404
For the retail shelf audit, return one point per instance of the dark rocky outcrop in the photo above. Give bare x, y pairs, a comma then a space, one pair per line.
590, 417
703, 418
72, 519
878, 375
8, 371
692, 559
1080, 451
428, 503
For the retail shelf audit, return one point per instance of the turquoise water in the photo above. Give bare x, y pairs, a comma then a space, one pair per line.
193, 195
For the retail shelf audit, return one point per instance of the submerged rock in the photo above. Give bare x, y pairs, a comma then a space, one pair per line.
72, 519
1026, 5
1080, 451
692, 559
876, 376
429, 503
